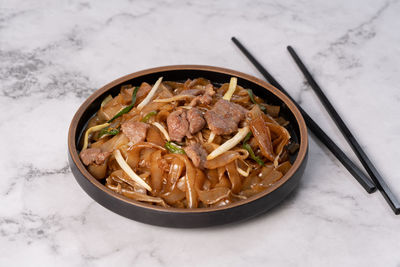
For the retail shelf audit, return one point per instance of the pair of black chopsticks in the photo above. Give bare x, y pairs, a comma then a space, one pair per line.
359, 175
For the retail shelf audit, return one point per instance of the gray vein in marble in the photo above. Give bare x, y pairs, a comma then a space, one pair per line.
354, 37
28, 173
303, 89
30, 227
125, 15
21, 72
7, 17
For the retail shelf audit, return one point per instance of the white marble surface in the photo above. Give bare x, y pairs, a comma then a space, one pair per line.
53, 54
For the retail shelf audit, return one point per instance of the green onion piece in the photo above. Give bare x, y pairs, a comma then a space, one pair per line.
128, 108
250, 92
173, 148
247, 138
108, 131
252, 155
148, 116
250, 150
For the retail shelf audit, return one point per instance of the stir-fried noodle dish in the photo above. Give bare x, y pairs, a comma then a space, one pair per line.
187, 145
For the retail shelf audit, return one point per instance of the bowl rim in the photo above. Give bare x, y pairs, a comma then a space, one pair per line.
292, 107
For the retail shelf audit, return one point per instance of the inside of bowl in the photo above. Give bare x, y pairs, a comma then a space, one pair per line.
181, 76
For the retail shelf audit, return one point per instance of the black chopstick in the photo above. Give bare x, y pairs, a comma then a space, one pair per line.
365, 161
359, 175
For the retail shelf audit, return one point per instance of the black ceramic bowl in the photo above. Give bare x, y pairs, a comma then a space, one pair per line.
173, 217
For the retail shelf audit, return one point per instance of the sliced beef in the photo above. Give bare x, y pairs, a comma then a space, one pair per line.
93, 155
178, 125
183, 123
135, 131
224, 117
206, 98
196, 120
193, 92
142, 92
197, 154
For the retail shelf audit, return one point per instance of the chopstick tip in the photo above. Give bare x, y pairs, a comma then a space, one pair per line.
371, 189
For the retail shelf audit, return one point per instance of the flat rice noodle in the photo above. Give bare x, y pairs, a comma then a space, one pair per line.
239, 99
121, 175
162, 116
142, 92
180, 204
133, 153
206, 184
186, 84
262, 136
221, 172
116, 181
284, 167
164, 165
181, 184
134, 115
198, 81
173, 85
98, 171
222, 160
268, 118
252, 191
177, 167
167, 107
114, 143
94, 121
191, 194
110, 181
272, 177
255, 112
142, 197
173, 196
163, 92
283, 134
145, 174
223, 202
234, 177
109, 110
222, 90
156, 171
145, 158
200, 178
99, 143
199, 137
284, 156
244, 154
282, 122
212, 176
214, 195
269, 175
152, 106
155, 136
223, 182
251, 180
126, 93
273, 110
277, 141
